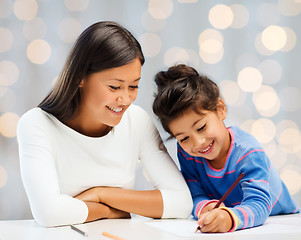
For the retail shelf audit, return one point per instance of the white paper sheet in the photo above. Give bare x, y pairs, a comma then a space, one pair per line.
273, 225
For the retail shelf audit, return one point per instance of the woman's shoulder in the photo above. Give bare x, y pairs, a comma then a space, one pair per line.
136, 112
34, 117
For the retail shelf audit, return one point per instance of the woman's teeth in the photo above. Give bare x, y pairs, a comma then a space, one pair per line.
117, 110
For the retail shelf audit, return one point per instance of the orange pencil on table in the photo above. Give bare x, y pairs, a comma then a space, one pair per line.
109, 235
223, 198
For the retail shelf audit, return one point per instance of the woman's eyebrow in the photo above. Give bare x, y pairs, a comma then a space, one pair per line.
121, 80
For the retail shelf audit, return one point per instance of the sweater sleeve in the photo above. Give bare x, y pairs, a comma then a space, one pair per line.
163, 172
38, 171
256, 203
199, 196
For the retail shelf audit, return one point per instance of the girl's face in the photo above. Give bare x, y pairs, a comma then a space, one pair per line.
203, 135
107, 94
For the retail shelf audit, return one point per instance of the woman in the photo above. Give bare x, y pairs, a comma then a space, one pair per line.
80, 147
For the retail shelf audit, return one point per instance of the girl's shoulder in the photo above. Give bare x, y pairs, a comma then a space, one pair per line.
243, 138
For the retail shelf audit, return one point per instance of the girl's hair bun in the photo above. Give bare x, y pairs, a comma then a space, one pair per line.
174, 73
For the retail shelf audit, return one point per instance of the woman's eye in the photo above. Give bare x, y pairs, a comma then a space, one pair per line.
183, 139
114, 88
202, 128
134, 86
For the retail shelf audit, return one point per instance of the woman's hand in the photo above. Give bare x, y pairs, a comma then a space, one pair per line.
90, 195
101, 211
215, 220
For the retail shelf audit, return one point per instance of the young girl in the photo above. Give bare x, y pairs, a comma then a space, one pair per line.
212, 156
79, 149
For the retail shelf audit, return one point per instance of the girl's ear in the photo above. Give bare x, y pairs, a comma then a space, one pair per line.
221, 109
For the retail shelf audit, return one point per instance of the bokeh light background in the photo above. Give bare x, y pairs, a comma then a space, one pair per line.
250, 48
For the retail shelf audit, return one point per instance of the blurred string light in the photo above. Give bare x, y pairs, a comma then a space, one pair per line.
6, 39
76, 5
38, 51
69, 29
160, 9
289, 7
292, 179
221, 16
288, 136
177, 55
291, 40
9, 73
187, 1
277, 157
240, 16
273, 37
231, 93
249, 79
211, 48
8, 124
151, 44
266, 101
264, 130
25, 9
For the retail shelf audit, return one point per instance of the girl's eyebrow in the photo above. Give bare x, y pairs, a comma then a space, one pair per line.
177, 134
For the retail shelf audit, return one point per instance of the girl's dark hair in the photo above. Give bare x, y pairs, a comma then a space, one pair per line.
101, 46
181, 88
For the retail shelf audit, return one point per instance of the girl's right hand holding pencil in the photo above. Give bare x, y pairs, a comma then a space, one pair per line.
216, 220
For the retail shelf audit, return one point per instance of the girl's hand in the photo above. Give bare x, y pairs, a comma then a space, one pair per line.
210, 206
215, 220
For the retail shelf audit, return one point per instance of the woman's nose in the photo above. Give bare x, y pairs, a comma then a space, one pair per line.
124, 98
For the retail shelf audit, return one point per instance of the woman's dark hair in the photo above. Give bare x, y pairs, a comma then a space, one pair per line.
181, 88
101, 46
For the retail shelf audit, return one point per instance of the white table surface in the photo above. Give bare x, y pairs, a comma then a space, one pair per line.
142, 229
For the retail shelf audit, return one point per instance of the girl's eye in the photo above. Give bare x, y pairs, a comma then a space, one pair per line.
114, 88
202, 128
134, 86
184, 139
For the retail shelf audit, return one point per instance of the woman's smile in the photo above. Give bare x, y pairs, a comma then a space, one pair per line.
118, 110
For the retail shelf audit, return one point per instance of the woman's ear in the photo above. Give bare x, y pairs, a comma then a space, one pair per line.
221, 109
82, 83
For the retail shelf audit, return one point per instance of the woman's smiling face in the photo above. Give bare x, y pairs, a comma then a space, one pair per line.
106, 95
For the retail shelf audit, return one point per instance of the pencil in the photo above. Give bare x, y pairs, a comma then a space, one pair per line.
109, 235
223, 198
78, 230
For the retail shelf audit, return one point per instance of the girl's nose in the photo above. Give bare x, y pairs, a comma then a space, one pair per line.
198, 142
